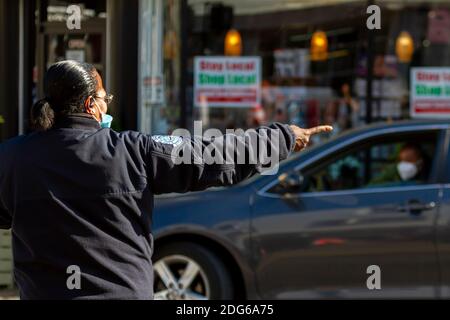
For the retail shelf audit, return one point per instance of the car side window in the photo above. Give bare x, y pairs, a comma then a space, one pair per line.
382, 162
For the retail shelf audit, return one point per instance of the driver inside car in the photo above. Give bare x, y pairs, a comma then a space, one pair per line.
410, 168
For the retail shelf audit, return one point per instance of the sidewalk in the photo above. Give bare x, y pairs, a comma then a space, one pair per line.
8, 294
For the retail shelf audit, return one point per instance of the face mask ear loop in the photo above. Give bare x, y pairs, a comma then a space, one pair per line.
98, 108
87, 105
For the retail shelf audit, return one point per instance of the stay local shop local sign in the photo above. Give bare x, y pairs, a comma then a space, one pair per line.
430, 93
227, 81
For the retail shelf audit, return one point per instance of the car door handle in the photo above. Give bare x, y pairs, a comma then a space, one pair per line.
416, 207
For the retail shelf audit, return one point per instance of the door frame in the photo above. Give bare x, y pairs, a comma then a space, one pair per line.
46, 28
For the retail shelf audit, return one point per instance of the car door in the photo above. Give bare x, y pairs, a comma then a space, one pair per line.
324, 239
443, 226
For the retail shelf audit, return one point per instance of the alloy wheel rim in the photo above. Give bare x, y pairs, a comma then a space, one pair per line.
178, 277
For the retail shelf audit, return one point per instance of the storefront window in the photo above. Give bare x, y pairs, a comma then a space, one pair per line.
298, 83
295, 86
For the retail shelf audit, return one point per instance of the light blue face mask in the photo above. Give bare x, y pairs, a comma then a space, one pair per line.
106, 121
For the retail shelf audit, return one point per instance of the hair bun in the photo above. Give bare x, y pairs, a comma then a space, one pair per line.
42, 115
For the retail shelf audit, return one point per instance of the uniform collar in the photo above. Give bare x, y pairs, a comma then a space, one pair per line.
77, 121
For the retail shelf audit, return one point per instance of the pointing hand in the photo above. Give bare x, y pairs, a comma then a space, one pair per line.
303, 135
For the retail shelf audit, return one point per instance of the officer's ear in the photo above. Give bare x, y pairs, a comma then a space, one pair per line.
89, 105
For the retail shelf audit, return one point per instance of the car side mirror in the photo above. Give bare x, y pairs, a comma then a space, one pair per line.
291, 181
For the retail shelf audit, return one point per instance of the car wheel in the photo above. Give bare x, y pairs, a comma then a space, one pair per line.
188, 271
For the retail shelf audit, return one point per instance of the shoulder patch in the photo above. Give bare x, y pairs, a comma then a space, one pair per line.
172, 140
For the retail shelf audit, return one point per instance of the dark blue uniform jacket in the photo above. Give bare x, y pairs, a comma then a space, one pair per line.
78, 195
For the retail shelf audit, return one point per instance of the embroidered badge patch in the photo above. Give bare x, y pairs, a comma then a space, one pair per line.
172, 140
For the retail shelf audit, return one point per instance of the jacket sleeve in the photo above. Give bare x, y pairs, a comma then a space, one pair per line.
182, 164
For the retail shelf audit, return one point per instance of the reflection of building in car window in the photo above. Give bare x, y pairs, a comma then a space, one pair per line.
346, 173
348, 162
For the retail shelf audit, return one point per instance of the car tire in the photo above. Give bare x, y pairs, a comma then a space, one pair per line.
213, 270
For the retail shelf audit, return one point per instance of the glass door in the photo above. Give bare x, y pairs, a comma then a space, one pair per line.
56, 42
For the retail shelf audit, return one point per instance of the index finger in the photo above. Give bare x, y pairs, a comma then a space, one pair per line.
319, 129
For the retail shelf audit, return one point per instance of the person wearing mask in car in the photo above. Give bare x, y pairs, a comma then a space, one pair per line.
79, 196
410, 168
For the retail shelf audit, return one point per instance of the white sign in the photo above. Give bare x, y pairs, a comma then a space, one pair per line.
430, 93
76, 55
292, 63
154, 90
227, 81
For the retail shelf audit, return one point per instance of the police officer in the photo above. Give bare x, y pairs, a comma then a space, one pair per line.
79, 197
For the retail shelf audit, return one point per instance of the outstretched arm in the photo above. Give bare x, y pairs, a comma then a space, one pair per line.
193, 164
